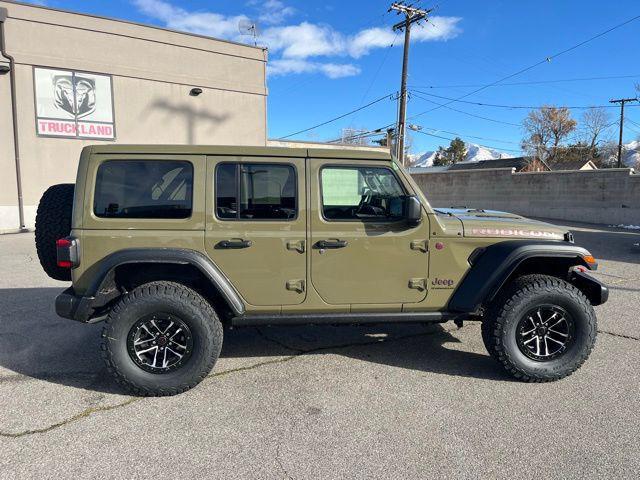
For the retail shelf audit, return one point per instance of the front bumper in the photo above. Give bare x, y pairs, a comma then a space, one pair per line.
596, 291
75, 307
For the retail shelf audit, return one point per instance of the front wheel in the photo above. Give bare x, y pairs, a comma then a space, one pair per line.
541, 328
162, 338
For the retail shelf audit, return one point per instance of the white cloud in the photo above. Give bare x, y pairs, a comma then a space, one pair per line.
292, 46
273, 12
439, 28
312, 40
366, 40
203, 23
285, 66
304, 40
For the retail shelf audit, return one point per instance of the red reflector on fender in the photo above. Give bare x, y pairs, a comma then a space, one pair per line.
63, 242
64, 264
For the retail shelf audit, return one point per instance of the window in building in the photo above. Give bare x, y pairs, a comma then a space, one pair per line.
361, 193
255, 191
144, 189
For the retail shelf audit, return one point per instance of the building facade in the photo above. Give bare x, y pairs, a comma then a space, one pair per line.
82, 80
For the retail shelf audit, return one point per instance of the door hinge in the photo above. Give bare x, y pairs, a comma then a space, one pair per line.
420, 245
419, 284
295, 285
298, 246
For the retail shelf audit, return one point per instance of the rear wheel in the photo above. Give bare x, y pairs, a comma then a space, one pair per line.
162, 338
541, 328
53, 222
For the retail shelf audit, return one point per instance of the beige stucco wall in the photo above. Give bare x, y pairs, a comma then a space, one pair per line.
153, 71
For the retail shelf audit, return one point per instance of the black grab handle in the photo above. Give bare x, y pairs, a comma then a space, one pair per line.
234, 244
331, 243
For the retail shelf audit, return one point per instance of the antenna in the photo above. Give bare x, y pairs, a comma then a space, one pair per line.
249, 27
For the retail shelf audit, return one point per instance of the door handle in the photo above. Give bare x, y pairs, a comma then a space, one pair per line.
234, 244
331, 243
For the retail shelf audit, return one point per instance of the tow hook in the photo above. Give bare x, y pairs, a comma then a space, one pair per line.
459, 322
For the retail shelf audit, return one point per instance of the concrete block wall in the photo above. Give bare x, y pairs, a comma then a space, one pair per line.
610, 196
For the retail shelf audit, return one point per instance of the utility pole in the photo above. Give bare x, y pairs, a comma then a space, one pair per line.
621, 101
412, 15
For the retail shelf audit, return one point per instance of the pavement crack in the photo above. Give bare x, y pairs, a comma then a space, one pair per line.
298, 352
251, 367
619, 335
84, 414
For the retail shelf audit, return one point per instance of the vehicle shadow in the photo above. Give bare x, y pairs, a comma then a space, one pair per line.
36, 344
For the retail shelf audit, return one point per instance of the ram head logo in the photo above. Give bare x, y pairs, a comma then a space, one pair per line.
75, 94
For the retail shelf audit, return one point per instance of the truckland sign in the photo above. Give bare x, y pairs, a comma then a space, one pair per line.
73, 104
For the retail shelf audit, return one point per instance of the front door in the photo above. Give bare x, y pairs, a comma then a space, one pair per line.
256, 226
362, 249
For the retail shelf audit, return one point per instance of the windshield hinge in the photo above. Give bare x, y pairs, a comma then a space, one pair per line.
298, 246
419, 284
420, 245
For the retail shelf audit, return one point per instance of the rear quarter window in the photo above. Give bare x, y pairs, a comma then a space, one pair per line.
144, 189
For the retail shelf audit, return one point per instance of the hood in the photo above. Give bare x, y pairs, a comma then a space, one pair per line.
493, 223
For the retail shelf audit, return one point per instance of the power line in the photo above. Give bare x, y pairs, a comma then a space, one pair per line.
472, 136
446, 105
515, 107
388, 96
384, 59
485, 146
532, 82
530, 67
637, 125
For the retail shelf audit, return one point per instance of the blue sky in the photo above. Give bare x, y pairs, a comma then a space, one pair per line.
329, 57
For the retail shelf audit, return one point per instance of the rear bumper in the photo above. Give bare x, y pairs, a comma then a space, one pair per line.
75, 307
596, 291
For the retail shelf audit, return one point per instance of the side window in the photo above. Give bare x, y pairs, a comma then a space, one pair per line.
255, 191
143, 189
361, 193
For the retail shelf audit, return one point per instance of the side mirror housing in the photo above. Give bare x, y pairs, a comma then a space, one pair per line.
413, 211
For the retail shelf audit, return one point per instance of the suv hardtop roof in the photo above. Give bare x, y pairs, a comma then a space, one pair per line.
234, 150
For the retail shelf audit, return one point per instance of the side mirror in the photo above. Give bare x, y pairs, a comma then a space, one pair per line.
413, 212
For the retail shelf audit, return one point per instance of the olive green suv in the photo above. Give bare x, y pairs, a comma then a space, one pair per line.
168, 244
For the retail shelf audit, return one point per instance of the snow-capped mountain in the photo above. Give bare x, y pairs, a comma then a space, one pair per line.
631, 154
475, 153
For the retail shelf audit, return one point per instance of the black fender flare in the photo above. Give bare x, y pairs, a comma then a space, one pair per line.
102, 273
491, 267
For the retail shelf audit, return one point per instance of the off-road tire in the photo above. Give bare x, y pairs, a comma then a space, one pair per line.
53, 222
504, 313
172, 298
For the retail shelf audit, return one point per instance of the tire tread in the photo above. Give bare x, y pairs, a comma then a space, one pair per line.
505, 303
163, 288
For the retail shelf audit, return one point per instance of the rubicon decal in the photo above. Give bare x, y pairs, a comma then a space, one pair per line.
514, 232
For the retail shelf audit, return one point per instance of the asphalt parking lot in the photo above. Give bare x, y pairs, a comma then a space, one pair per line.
403, 401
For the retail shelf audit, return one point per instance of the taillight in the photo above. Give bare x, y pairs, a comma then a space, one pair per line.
67, 252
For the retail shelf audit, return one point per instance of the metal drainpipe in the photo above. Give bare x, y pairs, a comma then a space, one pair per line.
14, 114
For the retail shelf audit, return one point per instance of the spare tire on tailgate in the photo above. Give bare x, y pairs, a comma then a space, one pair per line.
53, 222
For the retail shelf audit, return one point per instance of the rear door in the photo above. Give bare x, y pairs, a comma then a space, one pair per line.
362, 250
256, 226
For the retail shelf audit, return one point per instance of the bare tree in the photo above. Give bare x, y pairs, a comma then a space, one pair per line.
594, 125
545, 129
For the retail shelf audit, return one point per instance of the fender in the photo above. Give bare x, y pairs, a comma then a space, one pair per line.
492, 266
101, 291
